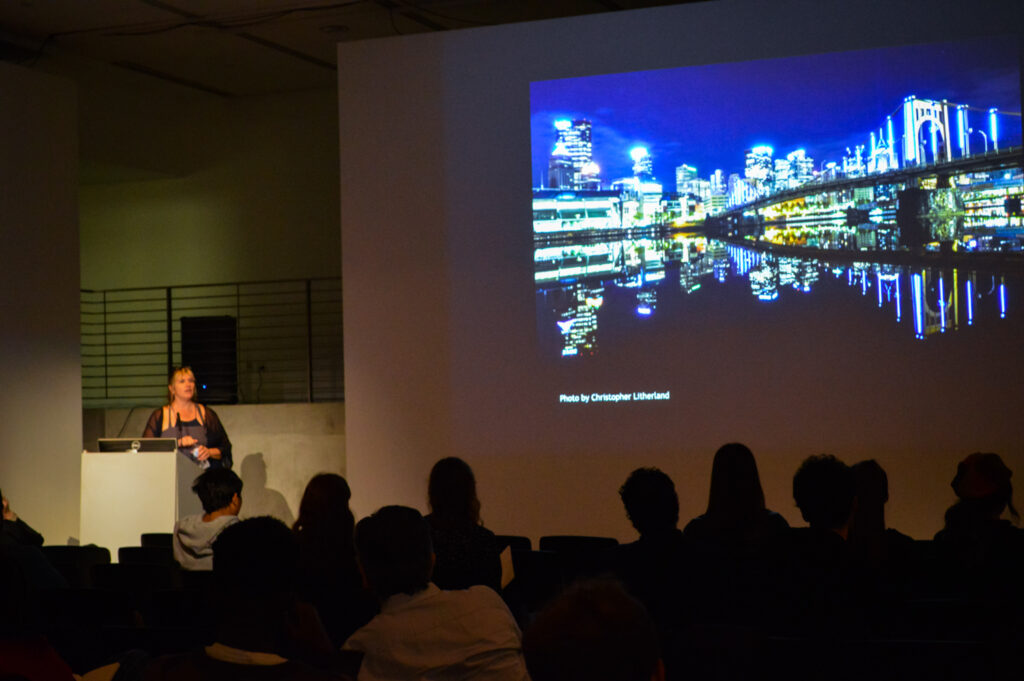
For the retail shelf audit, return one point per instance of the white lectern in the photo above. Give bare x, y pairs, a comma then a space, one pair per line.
126, 494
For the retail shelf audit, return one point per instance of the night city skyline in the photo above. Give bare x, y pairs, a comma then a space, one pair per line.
707, 116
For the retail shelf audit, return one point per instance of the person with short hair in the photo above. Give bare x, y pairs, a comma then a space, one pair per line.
593, 632
220, 492
262, 631
654, 568
824, 491
423, 632
876, 546
827, 588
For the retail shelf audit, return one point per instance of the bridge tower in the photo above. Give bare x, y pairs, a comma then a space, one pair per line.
927, 130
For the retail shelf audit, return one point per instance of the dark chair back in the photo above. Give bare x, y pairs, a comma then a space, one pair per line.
538, 579
76, 563
156, 555
140, 579
579, 555
165, 539
514, 542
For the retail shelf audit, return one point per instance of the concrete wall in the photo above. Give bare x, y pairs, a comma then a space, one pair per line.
276, 448
185, 187
39, 343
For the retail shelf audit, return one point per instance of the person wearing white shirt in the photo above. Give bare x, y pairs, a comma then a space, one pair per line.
423, 632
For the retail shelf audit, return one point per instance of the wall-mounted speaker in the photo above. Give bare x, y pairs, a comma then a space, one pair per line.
210, 346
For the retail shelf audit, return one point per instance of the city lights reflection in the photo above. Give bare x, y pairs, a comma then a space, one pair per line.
649, 277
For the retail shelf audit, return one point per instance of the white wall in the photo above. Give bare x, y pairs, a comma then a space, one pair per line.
440, 334
40, 399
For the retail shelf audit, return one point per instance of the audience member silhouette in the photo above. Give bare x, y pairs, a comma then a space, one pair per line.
423, 632
984, 550
875, 546
220, 491
328, 574
466, 552
25, 653
16, 530
823, 489
653, 568
735, 543
19, 544
736, 521
594, 631
824, 591
262, 631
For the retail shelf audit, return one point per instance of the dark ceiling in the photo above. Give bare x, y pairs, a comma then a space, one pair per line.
238, 48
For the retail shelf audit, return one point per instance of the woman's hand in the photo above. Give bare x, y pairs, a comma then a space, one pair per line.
186, 441
203, 453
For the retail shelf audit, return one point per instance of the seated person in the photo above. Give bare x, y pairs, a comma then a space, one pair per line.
821, 575
982, 551
421, 631
329, 578
875, 546
735, 544
261, 631
653, 568
466, 552
19, 544
25, 652
736, 522
220, 492
16, 530
593, 632
823, 489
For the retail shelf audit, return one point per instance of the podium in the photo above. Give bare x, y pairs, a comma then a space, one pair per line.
126, 494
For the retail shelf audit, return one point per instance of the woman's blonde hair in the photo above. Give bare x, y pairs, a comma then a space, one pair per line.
178, 371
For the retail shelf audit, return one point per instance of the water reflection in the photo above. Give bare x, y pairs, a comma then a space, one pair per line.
574, 282
893, 230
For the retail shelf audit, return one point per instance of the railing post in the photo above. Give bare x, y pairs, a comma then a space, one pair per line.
238, 343
170, 333
309, 340
106, 386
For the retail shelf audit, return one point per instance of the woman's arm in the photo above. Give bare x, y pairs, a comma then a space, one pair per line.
153, 425
217, 443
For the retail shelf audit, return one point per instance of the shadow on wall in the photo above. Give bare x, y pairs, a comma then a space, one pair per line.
257, 498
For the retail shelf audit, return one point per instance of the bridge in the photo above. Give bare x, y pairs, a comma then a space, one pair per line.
1010, 157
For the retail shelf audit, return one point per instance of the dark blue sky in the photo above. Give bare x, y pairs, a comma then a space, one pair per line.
707, 116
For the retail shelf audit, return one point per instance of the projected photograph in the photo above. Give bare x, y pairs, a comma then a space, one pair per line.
887, 181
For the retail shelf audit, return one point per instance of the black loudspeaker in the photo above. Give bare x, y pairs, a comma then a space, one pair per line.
210, 346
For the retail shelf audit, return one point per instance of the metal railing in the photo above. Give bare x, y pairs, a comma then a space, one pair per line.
287, 348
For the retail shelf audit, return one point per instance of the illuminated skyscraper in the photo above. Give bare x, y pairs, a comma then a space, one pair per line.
643, 167
685, 175
561, 174
718, 182
801, 167
575, 136
783, 173
758, 169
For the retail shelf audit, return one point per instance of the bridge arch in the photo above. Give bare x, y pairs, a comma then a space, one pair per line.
922, 119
